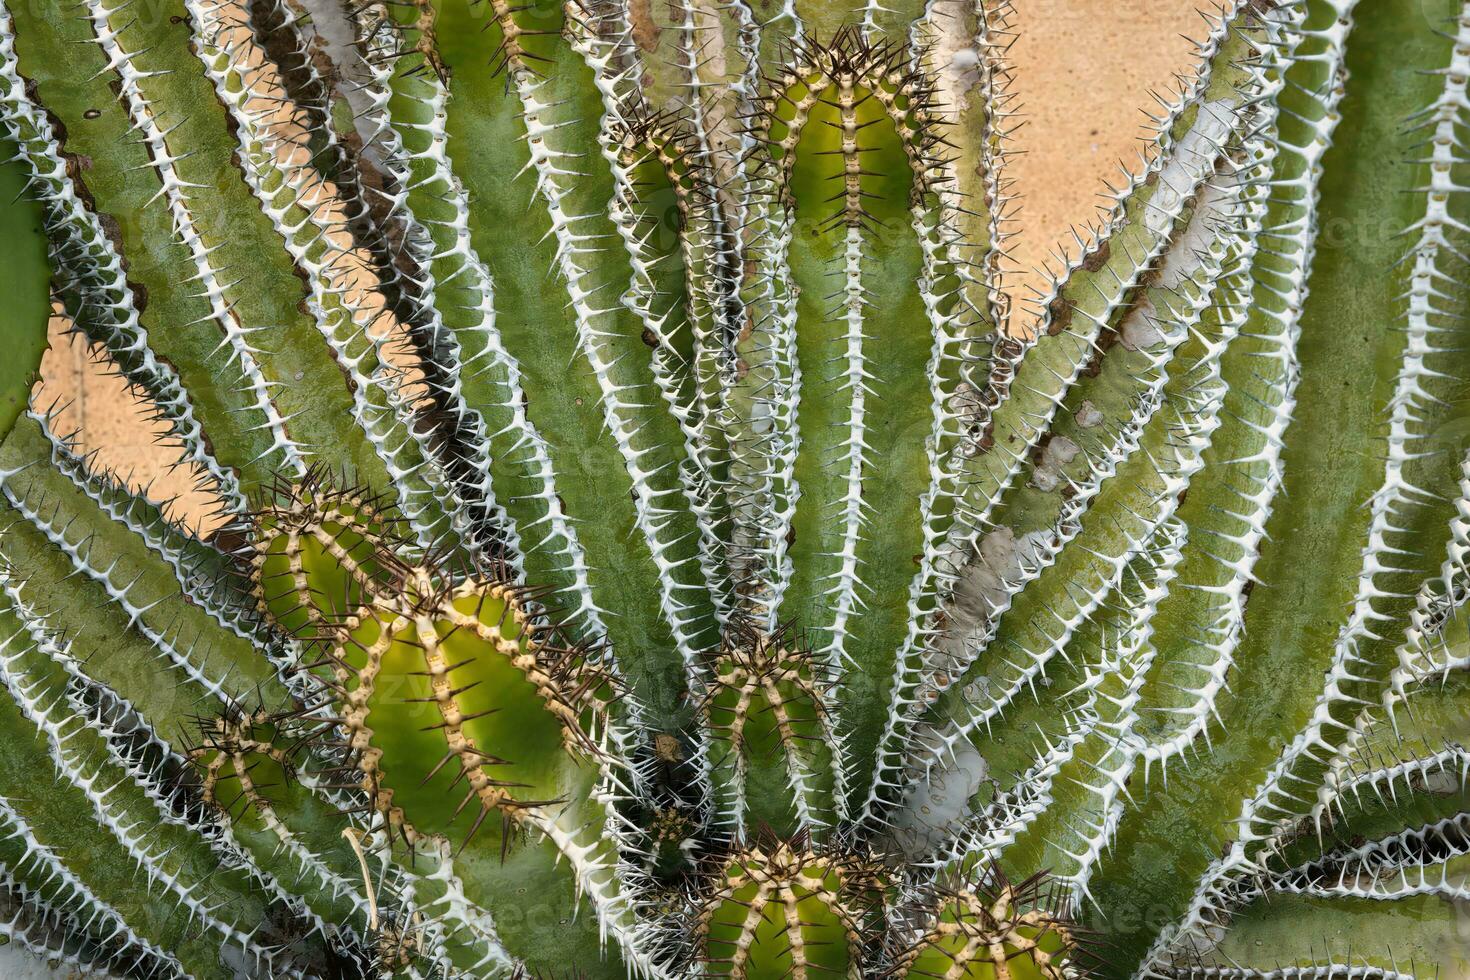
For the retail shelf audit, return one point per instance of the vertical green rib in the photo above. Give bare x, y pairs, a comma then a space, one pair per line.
25, 282
857, 617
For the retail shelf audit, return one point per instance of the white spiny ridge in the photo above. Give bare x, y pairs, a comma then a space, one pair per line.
1255, 821
1224, 262
178, 195
709, 124
720, 141
1428, 650
763, 468
933, 37
84, 765
992, 43
1219, 637
1429, 860
1327, 971
1426, 658
1407, 772
766, 464
609, 51
1195, 153
284, 189
316, 32
1276, 804
1114, 746
182, 551
940, 241
86, 260
67, 892
1202, 272
448, 918
450, 262
1229, 245
1377, 754
1187, 427
30, 923
1454, 580
596, 866
469, 924
1099, 734
619, 402
215, 827
745, 87
842, 598
1288, 242
795, 32
1427, 654
999, 823
78, 552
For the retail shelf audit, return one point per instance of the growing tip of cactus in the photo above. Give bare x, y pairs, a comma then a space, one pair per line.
781, 908
644, 547
994, 930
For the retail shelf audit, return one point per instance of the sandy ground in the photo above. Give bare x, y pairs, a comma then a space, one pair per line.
1084, 71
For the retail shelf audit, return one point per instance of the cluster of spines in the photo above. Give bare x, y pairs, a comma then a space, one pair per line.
771, 682
781, 907
988, 927
149, 762
127, 345
32, 674
848, 203
663, 490
848, 71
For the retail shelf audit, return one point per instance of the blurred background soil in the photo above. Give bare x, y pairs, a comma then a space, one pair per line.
1084, 74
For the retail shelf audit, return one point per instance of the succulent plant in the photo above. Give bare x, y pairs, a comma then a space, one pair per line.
646, 543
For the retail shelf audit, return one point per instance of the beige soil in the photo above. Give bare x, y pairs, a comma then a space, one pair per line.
1084, 71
